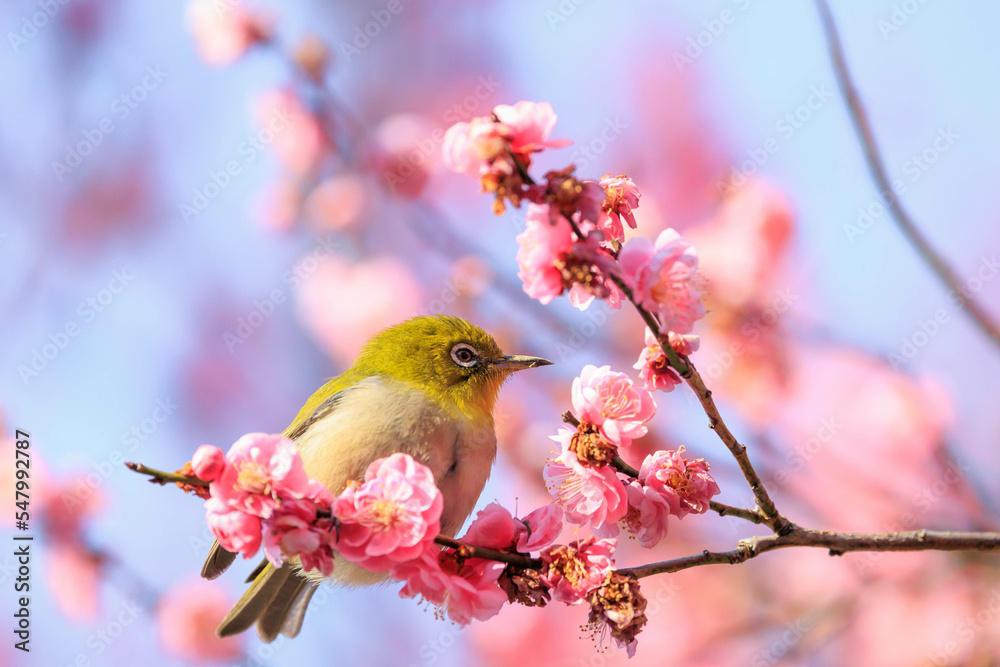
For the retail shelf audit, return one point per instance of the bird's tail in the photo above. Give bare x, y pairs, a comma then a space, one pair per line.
276, 600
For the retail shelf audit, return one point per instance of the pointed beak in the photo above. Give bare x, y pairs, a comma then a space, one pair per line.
517, 362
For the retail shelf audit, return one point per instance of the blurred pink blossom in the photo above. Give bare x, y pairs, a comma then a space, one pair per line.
527, 126
187, 616
342, 323
73, 575
392, 516
574, 570
470, 148
405, 158
685, 484
224, 31
296, 134
663, 278
337, 203
611, 401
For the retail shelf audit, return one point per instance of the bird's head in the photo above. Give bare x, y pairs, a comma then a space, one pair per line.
453, 360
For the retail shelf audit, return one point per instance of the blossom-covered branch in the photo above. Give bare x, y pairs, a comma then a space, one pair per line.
876, 166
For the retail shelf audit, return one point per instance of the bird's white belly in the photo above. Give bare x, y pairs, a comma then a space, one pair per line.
378, 418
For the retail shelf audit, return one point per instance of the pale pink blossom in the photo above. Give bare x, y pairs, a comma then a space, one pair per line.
527, 126
401, 159
466, 588
663, 278
73, 576
261, 470
587, 494
237, 531
187, 616
648, 514
295, 529
622, 196
295, 133
208, 463
64, 505
685, 484
470, 148
552, 260
391, 516
574, 570
654, 368
495, 528
337, 203
224, 31
539, 529
612, 402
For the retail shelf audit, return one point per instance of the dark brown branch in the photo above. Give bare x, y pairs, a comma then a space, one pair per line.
470, 551
837, 543
877, 168
754, 516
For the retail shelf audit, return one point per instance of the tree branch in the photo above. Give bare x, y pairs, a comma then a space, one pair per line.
470, 551
837, 543
164, 477
877, 168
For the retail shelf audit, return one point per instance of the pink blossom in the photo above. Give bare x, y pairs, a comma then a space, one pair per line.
298, 136
208, 463
686, 485
621, 197
187, 616
572, 571
390, 517
294, 529
539, 529
495, 528
648, 512
663, 279
65, 504
552, 260
262, 469
587, 494
612, 402
223, 32
654, 369
467, 588
470, 148
73, 576
527, 126
235, 530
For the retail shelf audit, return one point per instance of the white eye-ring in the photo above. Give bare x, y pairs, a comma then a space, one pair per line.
464, 355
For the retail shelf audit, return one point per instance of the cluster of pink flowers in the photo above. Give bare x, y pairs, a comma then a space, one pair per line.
654, 368
611, 411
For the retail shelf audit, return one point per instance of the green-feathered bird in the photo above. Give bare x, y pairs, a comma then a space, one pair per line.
426, 387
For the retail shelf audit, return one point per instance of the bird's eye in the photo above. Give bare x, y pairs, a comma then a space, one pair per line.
464, 355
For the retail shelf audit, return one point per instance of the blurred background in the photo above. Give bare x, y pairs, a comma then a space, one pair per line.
205, 209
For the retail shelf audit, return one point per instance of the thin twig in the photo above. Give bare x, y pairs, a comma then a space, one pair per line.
754, 516
837, 543
164, 477
877, 168
470, 551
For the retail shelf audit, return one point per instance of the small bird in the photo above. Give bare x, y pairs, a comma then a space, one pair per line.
425, 387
